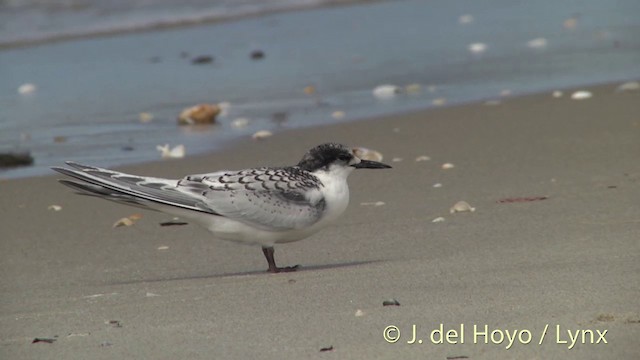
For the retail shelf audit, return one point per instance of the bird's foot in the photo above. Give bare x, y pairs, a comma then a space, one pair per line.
276, 269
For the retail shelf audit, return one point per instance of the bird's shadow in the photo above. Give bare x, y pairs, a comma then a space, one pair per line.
301, 269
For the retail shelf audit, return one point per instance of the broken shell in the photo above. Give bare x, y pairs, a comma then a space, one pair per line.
168, 153
367, 154
537, 43
145, 117
423, 158
461, 206
447, 166
581, 95
465, 19
386, 91
163, 247
262, 134
199, 114
629, 86
26, 89
54, 207
439, 101
338, 115
477, 48
240, 123
437, 220
557, 94
123, 222
391, 302
359, 313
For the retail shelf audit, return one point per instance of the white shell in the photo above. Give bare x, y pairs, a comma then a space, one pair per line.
338, 115
374, 203
54, 207
477, 48
164, 247
240, 123
447, 166
359, 313
367, 154
123, 222
386, 91
629, 86
423, 158
581, 95
166, 152
26, 89
537, 43
437, 185
439, 101
438, 219
262, 134
461, 206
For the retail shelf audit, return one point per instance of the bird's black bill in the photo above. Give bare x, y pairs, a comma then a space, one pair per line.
368, 164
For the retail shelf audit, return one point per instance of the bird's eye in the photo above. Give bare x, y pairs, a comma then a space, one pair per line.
344, 157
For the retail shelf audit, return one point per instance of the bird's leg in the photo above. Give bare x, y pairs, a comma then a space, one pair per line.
268, 253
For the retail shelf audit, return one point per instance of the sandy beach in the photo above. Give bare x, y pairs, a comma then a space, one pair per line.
552, 248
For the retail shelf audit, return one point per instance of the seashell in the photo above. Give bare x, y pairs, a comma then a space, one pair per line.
537, 43
338, 115
168, 153
581, 95
26, 89
465, 19
376, 203
413, 88
423, 158
199, 114
54, 207
163, 247
438, 219
359, 313
240, 123
145, 117
557, 94
384, 92
629, 86
439, 101
447, 166
309, 90
461, 206
367, 154
477, 48
391, 302
437, 185
262, 134
123, 222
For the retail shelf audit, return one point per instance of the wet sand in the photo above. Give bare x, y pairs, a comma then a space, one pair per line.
518, 263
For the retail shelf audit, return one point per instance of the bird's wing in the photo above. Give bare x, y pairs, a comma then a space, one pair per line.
267, 198
132, 189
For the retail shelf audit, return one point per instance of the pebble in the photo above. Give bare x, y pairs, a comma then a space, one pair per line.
461, 206
54, 207
199, 114
447, 166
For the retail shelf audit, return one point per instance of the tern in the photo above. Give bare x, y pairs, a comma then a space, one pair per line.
260, 206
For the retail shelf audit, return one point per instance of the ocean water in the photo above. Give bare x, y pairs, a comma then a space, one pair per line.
91, 89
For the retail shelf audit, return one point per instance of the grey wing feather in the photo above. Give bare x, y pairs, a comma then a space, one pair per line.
267, 198
131, 189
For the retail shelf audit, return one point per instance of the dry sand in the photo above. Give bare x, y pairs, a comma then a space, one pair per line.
571, 260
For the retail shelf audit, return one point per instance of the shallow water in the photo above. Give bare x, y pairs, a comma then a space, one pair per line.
90, 91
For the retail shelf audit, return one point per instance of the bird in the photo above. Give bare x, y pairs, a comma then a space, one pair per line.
261, 206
